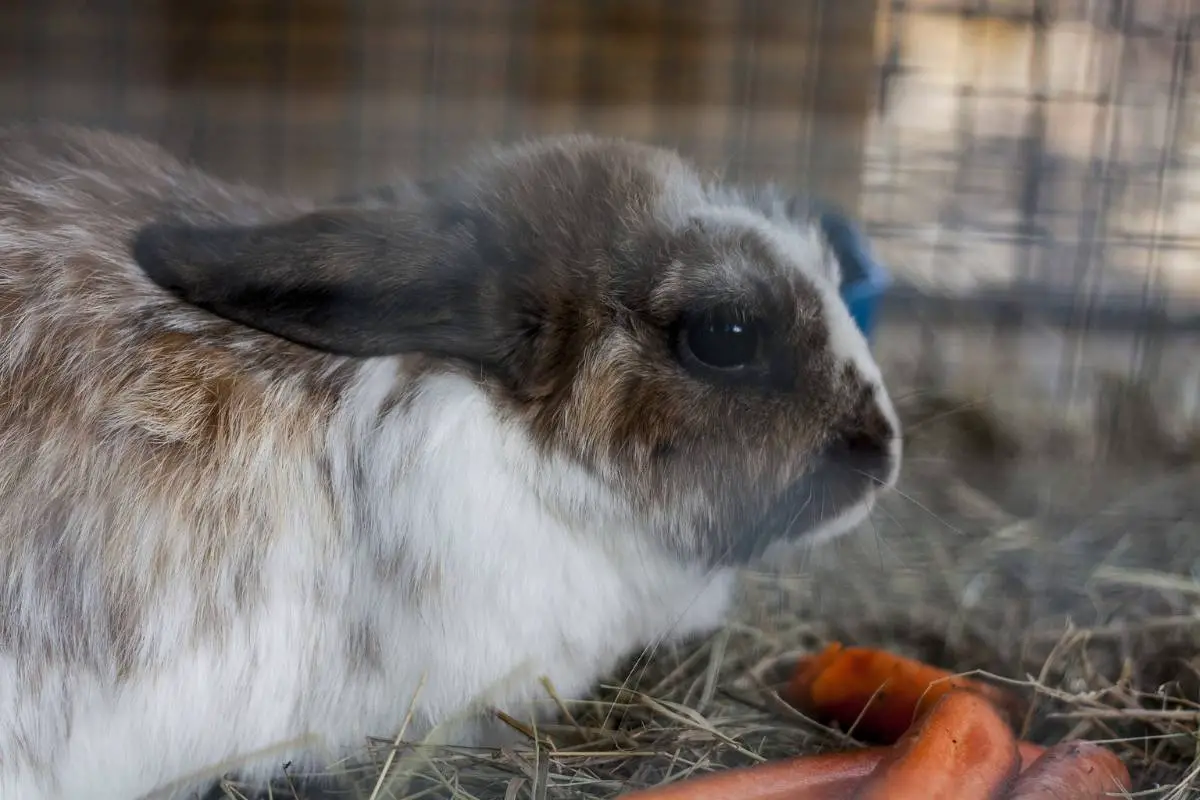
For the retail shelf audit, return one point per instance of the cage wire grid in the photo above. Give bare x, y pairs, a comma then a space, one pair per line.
324, 96
1040, 171
1011, 160
314, 95
1078, 197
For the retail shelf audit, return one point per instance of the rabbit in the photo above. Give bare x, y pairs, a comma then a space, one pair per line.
279, 475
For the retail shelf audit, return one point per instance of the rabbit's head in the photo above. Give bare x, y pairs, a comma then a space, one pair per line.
683, 342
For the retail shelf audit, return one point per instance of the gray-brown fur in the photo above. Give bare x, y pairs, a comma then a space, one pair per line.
555, 271
279, 463
97, 365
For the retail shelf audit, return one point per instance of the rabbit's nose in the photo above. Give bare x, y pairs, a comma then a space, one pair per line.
867, 444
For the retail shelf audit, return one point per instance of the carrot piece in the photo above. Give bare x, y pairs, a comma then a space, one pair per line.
1030, 753
880, 694
1073, 771
808, 670
829, 776
961, 750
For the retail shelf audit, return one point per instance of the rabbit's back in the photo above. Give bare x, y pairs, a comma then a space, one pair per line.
141, 442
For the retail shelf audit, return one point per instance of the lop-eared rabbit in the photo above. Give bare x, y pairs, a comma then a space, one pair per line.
276, 475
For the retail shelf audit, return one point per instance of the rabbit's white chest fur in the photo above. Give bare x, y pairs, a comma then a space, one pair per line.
342, 638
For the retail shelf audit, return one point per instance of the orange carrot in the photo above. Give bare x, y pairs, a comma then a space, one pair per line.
961, 750
880, 694
1030, 753
829, 776
1073, 771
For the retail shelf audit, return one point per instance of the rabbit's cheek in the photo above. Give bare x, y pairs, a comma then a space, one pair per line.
838, 490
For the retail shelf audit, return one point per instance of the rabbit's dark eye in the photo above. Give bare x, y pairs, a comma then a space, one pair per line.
721, 339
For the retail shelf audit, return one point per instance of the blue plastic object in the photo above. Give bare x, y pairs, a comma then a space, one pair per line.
864, 279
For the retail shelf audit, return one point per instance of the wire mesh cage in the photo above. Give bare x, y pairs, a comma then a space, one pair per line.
1052, 138
1034, 161
1030, 165
316, 94
1032, 149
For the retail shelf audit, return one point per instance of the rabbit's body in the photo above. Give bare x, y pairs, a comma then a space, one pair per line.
221, 550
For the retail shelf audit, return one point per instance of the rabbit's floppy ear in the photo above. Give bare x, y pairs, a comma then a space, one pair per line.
352, 281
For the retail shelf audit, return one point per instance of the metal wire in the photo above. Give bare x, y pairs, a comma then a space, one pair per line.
1050, 175
1082, 188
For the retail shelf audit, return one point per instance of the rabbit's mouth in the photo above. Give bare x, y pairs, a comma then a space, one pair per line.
835, 495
